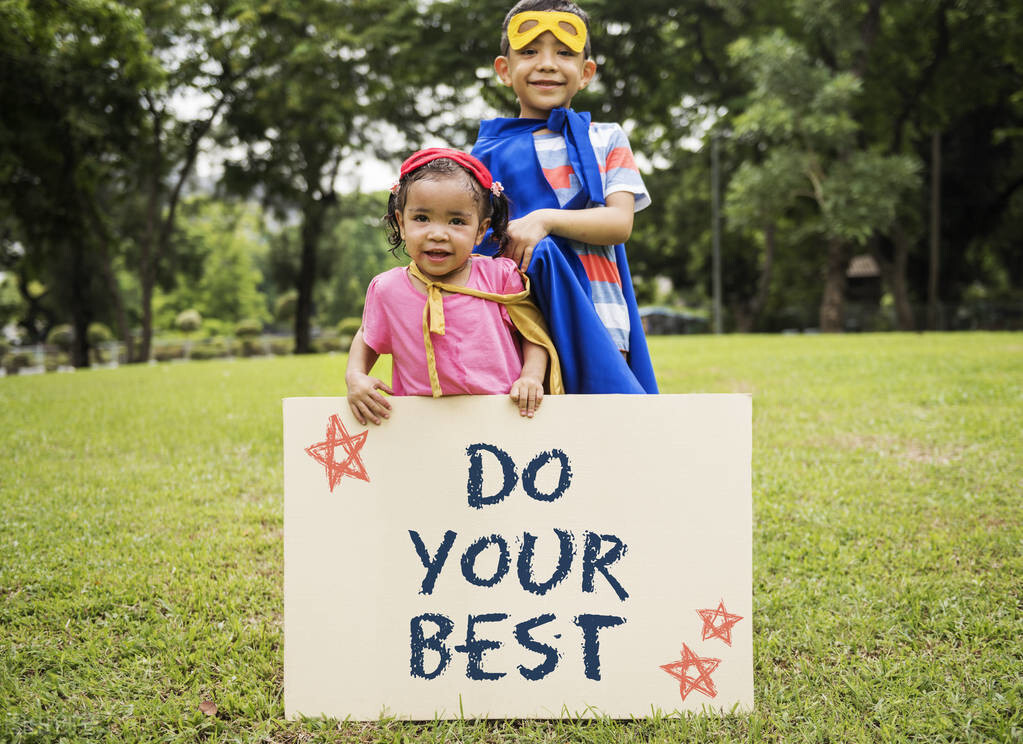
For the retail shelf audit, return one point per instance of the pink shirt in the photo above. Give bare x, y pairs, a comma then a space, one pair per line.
479, 353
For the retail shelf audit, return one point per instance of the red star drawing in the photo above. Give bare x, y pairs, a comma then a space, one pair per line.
323, 453
714, 629
702, 681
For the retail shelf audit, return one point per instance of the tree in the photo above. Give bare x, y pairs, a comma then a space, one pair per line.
222, 251
304, 120
940, 72
70, 77
801, 112
760, 196
208, 54
356, 251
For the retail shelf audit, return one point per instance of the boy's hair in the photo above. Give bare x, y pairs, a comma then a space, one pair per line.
492, 206
565, 6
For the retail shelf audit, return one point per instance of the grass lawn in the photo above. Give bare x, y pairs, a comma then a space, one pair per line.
141, 548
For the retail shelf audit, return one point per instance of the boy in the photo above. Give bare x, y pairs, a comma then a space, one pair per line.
573, 189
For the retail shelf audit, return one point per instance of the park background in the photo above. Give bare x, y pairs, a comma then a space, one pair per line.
205, 179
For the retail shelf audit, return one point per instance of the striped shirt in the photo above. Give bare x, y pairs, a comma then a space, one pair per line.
618, 172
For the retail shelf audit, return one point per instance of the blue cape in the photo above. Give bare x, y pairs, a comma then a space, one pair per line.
590, 360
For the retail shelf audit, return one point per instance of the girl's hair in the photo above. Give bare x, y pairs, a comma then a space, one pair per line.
565, 6
492, 206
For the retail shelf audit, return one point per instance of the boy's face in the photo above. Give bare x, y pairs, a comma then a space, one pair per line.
545, 74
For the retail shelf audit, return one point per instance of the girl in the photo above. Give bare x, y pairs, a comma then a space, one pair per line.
448, 319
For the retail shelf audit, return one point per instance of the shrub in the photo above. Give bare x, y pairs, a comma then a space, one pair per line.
188, 321
208, 350
213, 327
98, 333
166, 352
248, 328
52, 362
284, 308
17, 361
282, 346
332, 343
348, 327
61, 336
4, 347
251, 347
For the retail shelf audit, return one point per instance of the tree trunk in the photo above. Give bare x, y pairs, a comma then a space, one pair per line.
81, 313
935, 241
833, 302
103, 241
147, 269
900, 286
312, 226
744, 318
893, 274
160, 224
120, 317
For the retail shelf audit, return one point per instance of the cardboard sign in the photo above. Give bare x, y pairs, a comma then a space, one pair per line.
459, 560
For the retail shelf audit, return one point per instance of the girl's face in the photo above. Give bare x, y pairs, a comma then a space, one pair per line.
440, 225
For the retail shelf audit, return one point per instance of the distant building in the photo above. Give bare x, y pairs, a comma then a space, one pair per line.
669, 321
863, 279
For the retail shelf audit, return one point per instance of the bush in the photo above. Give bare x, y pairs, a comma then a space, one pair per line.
61, 336
282, 346
331, 342
213, 327
248, 328
99, 334
52, 362
4, 347
17, 361
284, 308
209, 350
188, 321
348, 327
166, 352
252, 347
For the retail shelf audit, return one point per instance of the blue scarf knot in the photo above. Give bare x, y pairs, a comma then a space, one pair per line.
575, 128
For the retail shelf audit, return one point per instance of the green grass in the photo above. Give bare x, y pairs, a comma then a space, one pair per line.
141, 558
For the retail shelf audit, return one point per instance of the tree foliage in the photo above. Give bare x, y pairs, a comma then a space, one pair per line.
70, 76
223, 252
825, 114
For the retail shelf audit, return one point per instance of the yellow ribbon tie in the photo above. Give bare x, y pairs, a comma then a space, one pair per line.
523, 313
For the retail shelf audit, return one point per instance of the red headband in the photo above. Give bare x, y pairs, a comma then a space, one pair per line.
471, 164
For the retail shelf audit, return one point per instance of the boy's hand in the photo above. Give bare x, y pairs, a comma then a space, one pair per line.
524, 233
365, 400
527, 391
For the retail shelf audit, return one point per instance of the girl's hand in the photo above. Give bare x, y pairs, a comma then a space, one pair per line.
524, 233
527, 392
364, 400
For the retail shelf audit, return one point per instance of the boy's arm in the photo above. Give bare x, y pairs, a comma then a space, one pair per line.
607, 225
363, 396
527, 391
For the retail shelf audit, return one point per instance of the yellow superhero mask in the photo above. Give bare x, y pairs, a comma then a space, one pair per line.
567, 28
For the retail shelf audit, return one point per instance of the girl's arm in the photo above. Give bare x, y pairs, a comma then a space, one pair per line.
363, 396
527, 391
607, 225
